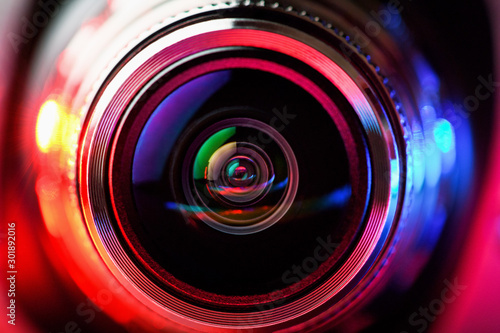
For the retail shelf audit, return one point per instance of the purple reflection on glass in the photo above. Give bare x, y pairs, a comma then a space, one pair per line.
167, 122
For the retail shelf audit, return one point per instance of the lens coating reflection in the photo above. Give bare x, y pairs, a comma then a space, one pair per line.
186, 136
234, 180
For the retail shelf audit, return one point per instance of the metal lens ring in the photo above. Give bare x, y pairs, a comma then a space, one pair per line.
150, 202
236, 171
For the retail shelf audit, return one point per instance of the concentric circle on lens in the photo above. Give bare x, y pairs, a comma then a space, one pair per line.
235, 182
238, 174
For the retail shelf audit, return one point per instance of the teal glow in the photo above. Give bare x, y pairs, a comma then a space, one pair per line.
208, 149
444, 135
395, 175
232, 169
418, 157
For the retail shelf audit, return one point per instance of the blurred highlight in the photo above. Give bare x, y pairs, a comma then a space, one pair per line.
48, 123
56, 128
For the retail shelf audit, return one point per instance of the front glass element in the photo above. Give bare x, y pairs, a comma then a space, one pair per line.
231, 169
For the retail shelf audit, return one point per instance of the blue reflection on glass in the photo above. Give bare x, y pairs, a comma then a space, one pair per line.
394, 175
429, 81
337, 198
281, 185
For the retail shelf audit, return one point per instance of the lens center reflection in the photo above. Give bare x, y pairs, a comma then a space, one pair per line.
241, 172
233, 181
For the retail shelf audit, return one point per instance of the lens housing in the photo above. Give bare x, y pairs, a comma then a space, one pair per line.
177, 47
316, 196
146, 115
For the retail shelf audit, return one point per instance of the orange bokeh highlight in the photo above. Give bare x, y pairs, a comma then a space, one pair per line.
48, 125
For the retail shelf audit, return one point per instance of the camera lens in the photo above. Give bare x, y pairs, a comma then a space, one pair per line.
223, 177
246, 165
246, 170
242, 165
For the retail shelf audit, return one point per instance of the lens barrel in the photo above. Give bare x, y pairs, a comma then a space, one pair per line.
249, 165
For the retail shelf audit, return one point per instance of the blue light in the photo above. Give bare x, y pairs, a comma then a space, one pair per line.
394, 175
426, 75
172, 206
281, 185
418, 157
185, 208
444, 135
337, 198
